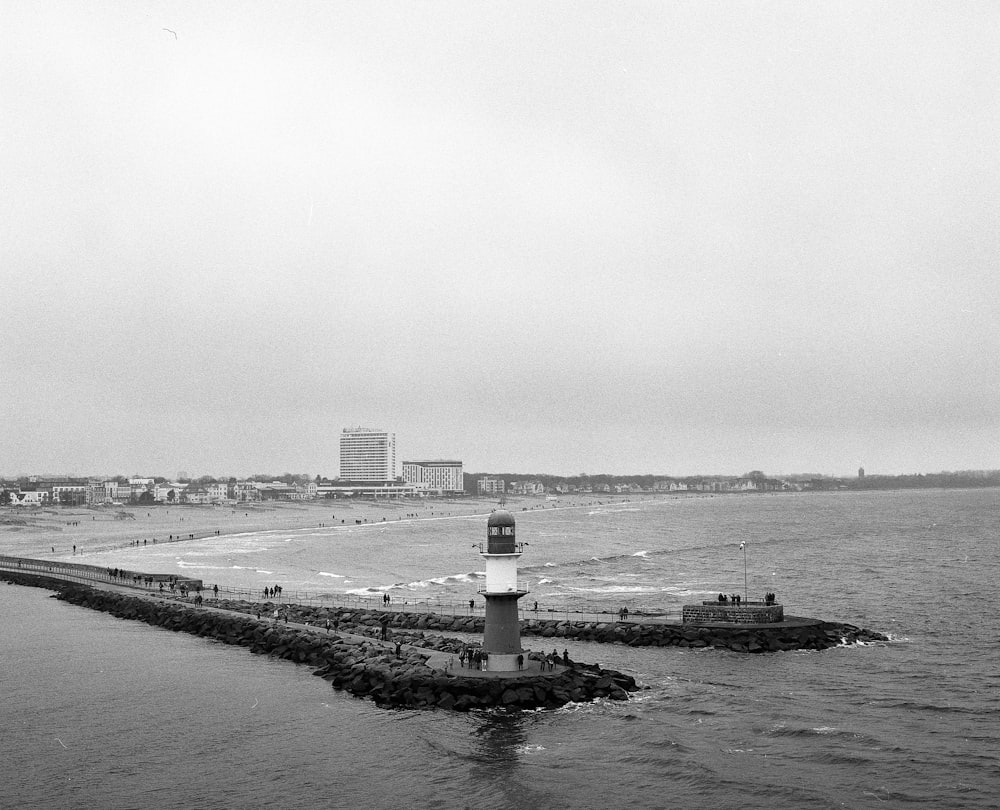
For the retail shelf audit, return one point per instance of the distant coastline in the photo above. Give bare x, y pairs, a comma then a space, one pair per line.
34, 531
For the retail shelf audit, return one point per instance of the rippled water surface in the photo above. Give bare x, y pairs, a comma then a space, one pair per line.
100, 712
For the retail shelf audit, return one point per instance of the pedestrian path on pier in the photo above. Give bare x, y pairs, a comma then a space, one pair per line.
136, 581
442, 661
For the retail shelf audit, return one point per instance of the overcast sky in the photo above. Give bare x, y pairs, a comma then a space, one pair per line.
669, 238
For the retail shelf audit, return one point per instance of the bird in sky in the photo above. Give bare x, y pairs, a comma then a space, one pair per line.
172, 32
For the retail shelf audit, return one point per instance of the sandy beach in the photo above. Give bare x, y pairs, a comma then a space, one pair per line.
52, 532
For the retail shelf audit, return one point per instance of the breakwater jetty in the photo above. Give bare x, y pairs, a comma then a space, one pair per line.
402, 658
392, 671
793, 633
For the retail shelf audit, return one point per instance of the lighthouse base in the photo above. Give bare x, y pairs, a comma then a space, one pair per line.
502, 662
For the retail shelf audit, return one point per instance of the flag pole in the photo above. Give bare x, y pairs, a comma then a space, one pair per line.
743, 546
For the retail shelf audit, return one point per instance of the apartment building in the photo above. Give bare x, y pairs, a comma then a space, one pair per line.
490, 486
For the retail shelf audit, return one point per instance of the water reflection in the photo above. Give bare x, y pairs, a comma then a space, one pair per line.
499, 743
500, 738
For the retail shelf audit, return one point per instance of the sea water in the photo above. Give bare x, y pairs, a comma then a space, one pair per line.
101, 712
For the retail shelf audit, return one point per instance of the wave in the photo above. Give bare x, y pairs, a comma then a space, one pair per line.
471, 576
182, 564
673, 590
641, 554
612, 511
219, 552
204, 567
327, 574
615, 589
831, 732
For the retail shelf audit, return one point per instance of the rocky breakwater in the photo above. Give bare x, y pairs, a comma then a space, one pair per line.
391, 676
792, 633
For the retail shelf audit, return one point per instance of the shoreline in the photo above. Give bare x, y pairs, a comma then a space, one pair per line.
52, 532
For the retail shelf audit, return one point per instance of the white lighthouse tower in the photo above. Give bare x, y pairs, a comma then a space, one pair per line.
502, 635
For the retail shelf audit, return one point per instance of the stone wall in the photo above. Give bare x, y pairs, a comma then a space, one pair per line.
737, 614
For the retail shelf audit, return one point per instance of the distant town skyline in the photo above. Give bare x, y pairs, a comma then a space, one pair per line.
673, 238
310, 474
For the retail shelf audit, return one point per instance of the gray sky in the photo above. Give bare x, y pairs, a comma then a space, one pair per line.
674, 238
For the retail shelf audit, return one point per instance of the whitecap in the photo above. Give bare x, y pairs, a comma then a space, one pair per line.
614, 589
641, 554
326, 574
472, 576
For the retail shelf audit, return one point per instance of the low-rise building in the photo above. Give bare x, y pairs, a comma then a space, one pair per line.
491, 486
440, 475
168, 493
35, 497
195, 494
526, 488
242, 491
217, 492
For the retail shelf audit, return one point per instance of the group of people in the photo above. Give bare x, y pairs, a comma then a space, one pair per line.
476, 658
386, 599
272, 593
549, 661
623, 614
736, 599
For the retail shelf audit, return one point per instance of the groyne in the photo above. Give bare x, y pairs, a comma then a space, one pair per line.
793, 633
389, 673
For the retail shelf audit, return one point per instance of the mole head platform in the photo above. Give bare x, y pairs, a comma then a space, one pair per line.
500, 533
713, 612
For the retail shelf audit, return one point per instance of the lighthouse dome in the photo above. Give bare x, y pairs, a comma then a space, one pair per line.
500, 517
500, 532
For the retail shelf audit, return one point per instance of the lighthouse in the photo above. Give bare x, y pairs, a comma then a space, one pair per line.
502, 635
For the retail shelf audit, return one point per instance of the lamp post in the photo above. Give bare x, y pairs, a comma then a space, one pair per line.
743, 548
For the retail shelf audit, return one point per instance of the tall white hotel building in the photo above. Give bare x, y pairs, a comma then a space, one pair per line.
367, 454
